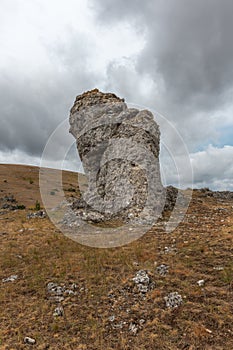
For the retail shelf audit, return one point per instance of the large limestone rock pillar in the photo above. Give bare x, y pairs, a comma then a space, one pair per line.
119, 149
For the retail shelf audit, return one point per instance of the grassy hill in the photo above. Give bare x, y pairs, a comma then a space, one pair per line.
100, 304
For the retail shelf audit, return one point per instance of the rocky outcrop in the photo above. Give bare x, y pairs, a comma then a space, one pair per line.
219, 195
10, 203
171, 196
119, 149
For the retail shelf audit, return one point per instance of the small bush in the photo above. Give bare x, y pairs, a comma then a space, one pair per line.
37, 206
70, 189
20, 206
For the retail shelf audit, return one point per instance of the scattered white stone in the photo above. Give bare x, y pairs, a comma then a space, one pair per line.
119, 325
11, 278
141, 277
201, 283
58, 292
133, 328
38, 214
19, 256
142, 280
74, 286
28, 340
59, 311
69, 292
111, 318
56, 298
168, 250
54, 288
142, 288
208, 331
173, 300
162, 269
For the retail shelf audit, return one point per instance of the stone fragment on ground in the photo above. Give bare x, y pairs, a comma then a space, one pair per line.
41, 214
201, 283
57, 293
171, 249
11, 278
173, 300
58, 312
162, 269
143, 281
29, 340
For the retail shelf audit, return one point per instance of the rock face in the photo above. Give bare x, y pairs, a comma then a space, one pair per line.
119, 150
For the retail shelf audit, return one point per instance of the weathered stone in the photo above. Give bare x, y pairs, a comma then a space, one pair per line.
57, 293
201, 283
29, 340
219, 195
162, 270
173, 300
143, 281
171, 196
119, 149
41, 214
11, 278
59, 311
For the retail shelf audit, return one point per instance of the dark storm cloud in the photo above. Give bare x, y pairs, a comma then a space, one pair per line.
32, 106
188, 55
27, 119
189, 46
25, 122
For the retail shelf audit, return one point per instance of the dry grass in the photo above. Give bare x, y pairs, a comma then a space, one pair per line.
38, 253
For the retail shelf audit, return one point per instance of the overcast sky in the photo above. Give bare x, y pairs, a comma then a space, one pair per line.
174, 57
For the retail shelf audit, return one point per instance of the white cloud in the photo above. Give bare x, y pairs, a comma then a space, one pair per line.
18, 157
213, 167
